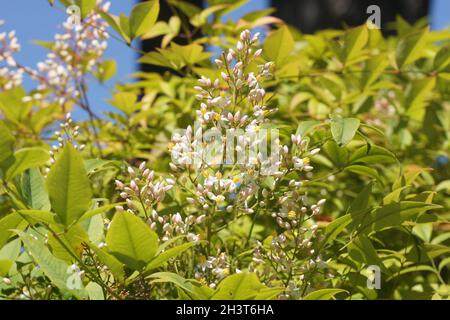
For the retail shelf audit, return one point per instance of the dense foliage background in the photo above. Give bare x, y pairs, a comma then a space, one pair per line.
97, 210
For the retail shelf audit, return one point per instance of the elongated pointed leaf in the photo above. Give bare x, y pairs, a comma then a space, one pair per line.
69, 187
279, 45
143, 17
27, 158
343, 130
131, 241
323, 294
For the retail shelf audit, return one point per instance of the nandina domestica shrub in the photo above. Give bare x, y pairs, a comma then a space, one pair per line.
287, 167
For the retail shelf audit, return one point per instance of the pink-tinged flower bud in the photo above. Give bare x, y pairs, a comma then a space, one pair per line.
245, 35
124, 195
239, 46
134, 186
192, 237
176, 218
200, 219
225, 76
119, 208
142, 166
229, 57
170, 181
314, 151
130, 203
131, 171
257, 53
256, 37
219, 63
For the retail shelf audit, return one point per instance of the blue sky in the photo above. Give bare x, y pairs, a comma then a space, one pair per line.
36, 20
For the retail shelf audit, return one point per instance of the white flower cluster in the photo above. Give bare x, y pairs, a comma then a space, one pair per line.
67, 133
10, 74
220, 192
218, 266
75, 52
143, 193
223, 108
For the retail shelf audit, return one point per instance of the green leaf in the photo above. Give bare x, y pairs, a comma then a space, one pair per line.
442, 59
143, 17
411, 47
131, 241
163, 257
5, 265
423, 231
375, 66
6, 142
416, 94
268, 293
305, 127
124, 101
193, 288
54, 268
27, 158
360, 204
337, 154
278, 45
334, 228
436, 250
444, 263
8, 222
124, 23
106, 70
95, 291
362, 250
114, 22
86, 6
34, 190
372, 155
114, 265
39, 216
343, 130
239, 286
69, 186
73, 239
394, 214
11, 250
186, 7
323, 294
93, 212
354, 41
358, 169
201, 18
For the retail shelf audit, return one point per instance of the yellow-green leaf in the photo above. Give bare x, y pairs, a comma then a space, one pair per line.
143, 17
68, 186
